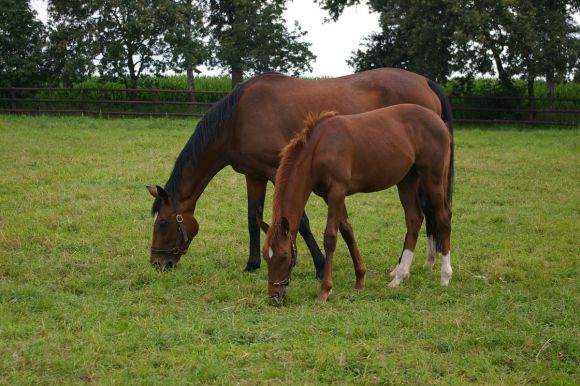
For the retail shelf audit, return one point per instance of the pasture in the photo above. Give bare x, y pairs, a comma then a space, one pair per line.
80, 304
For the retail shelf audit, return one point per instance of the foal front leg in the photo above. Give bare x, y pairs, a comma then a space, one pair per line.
348, 236
335, 212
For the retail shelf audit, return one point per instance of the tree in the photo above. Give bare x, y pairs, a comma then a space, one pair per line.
416, 34
511, 37
124, 37
21, 44
130, 39
71, 49
185, 36
251, 37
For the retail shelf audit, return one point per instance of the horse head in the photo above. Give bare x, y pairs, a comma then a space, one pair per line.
172, 230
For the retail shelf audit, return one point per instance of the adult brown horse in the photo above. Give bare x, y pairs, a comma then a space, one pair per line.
404, 145
247, 130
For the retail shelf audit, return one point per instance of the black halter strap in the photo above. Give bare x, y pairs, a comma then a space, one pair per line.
181, 236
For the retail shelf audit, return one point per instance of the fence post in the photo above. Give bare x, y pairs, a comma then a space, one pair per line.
156, 100
83, 102
12, 100
532, 106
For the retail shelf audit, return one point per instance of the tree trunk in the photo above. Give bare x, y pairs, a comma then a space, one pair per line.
237, 75
504, 78
551, 89
191, 84
132, 78
531, 97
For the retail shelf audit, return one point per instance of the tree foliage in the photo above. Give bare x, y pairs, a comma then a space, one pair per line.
21, 44
251, 37
527, 38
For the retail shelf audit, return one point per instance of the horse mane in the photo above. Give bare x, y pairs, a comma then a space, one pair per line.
291, 152
208, 130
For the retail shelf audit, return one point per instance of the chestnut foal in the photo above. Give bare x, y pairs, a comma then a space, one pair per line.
335, 156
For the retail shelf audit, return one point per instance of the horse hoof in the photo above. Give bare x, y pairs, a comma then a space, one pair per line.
251, 268
395, 283
323, 296
429, 264
319, 276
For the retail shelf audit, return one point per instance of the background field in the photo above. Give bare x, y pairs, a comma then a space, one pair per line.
79, 302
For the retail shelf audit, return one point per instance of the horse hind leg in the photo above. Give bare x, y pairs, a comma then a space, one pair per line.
408, 195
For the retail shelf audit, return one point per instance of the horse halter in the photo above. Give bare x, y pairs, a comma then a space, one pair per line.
286, 281
176, 250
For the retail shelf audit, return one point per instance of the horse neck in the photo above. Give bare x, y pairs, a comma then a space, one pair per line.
196, 177
295, 191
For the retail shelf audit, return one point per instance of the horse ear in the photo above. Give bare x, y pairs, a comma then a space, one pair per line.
285, 226
262, 224
161, 192
152, 190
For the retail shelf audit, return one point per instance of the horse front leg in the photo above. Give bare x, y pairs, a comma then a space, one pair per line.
256, 194
335, 213
317, 256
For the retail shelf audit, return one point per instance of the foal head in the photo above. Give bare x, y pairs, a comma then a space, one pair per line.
172, 230
280, 254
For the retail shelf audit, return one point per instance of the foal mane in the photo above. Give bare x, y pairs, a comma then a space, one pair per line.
290, 154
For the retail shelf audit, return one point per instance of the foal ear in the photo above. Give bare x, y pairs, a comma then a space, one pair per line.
262, 224
285, 226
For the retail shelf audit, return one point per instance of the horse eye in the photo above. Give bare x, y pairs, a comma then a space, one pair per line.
162, 223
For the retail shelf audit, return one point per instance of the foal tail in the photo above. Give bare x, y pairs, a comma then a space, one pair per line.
428, 210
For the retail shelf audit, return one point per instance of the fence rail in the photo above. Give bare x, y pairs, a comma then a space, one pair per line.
183, 103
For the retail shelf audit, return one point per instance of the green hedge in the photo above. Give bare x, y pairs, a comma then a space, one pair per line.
464, 107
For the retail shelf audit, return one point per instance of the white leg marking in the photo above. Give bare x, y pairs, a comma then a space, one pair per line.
446, 270
431, 253
402, 270
392, 273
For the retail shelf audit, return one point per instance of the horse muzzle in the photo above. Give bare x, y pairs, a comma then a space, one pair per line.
277, 295
164, 263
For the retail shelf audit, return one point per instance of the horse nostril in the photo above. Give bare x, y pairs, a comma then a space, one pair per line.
169, 264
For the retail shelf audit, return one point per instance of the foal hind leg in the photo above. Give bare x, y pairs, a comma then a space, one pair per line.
442, 216
408, 194
348, 236
430, 230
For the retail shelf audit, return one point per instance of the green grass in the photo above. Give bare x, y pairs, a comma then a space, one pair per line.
80, 304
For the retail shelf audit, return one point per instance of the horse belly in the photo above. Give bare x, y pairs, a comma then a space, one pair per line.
379, 169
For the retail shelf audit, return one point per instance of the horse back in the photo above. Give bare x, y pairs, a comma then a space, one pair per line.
374, 150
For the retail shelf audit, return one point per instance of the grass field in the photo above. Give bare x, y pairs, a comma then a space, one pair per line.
80, 304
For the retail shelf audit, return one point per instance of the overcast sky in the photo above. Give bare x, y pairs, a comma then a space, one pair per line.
332, 42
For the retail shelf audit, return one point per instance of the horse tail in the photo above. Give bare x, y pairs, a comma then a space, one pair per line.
447, 117
428, 211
